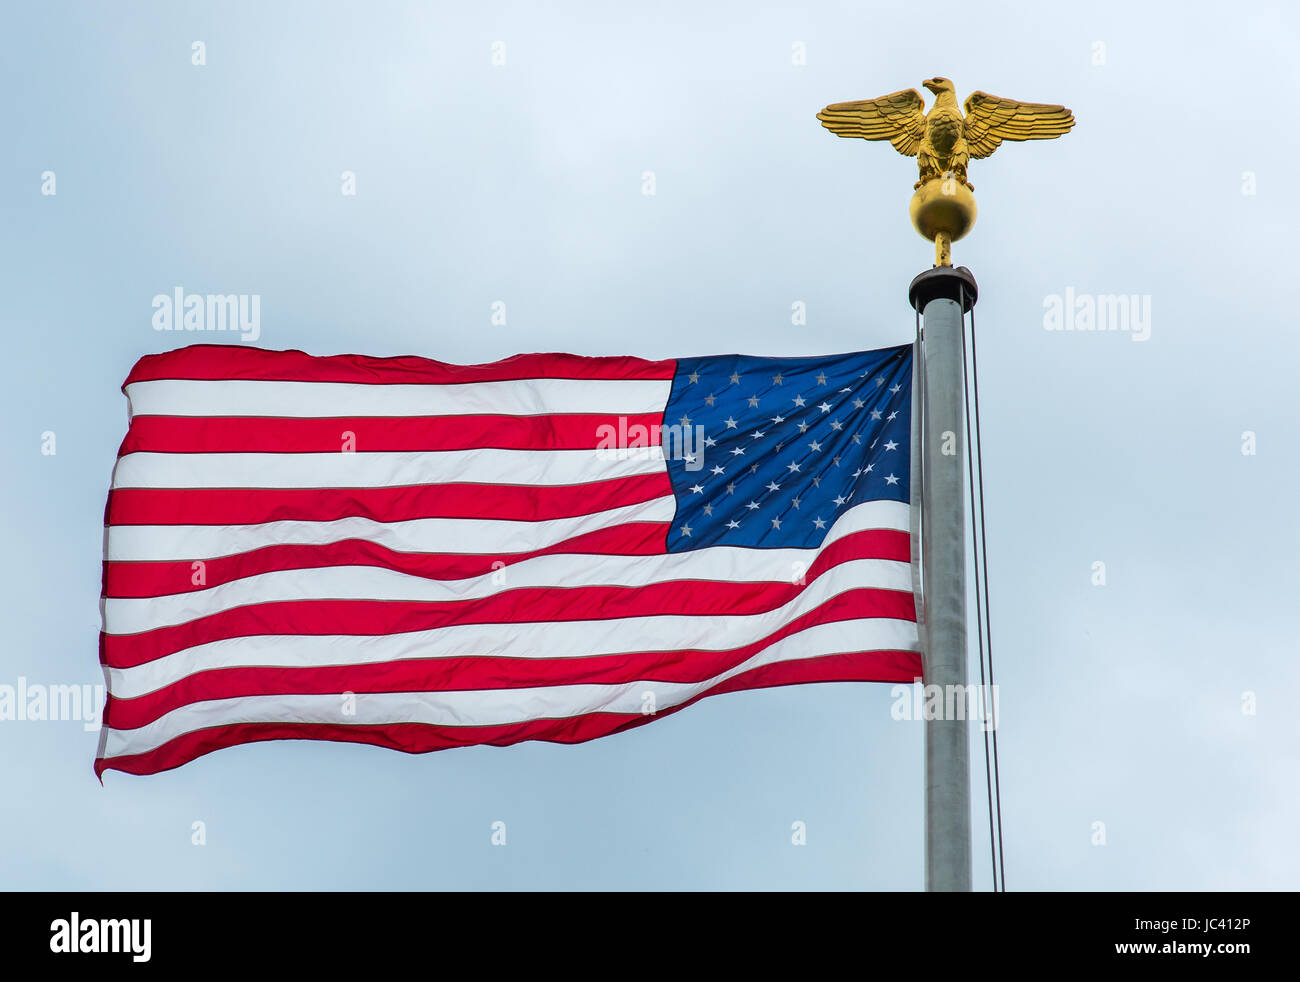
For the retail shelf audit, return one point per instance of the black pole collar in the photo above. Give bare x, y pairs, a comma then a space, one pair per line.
944, 283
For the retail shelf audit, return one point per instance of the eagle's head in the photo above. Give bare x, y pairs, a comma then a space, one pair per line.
937, 85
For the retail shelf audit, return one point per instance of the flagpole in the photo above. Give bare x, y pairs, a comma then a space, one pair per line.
942, 296
944, 139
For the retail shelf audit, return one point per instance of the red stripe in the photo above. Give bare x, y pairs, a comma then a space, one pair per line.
469, 672
867, 666
374, 434
523, 605
256, 506
156, 579
233, 361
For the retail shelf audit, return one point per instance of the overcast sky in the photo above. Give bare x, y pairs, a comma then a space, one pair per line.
1126, 704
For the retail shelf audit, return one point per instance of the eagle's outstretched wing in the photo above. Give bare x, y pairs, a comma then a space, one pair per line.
990, 120
897, 118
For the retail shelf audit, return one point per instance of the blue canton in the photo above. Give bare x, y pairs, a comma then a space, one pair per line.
788, 445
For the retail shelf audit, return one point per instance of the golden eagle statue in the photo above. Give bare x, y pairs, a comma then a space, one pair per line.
943, 141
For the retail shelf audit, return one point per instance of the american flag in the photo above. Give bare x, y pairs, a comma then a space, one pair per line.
417, 555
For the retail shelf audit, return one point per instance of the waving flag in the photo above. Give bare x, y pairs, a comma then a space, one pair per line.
417, 555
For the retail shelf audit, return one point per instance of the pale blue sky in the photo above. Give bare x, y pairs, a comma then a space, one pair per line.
522, 183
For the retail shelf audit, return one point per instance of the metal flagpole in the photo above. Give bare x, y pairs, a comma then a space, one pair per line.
942, 296
943, 140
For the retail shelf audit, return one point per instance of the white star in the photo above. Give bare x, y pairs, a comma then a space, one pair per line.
697, 489
776, 523
777, 419
857, 404
753, 401
708, 509
869, 468
795, 502
891, 445
773, 486
689, 458
836, 424
824, 407
685, 421
735, 378
817, 482
758, 434
858, 472
876, 414
731, 488
821, 378
835, 461
777, 380
798, 400
733, 524
737, 451
857, 437
893, 415
803, 427
846, 389
752, 506
891, 479
819, 523
814, 446
718, 470
695, 377
731, 423
709, 400
895, 388
792, 468
686, 530
879, 380
710, 442
840, 500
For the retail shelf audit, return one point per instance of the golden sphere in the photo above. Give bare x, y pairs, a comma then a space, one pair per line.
943, 205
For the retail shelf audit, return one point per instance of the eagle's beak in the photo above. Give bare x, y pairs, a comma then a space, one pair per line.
931, 86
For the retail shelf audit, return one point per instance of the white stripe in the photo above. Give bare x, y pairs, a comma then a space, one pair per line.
380, 470
554, 639
489, 707
471, 536
136, 615
522, 397
133, 615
